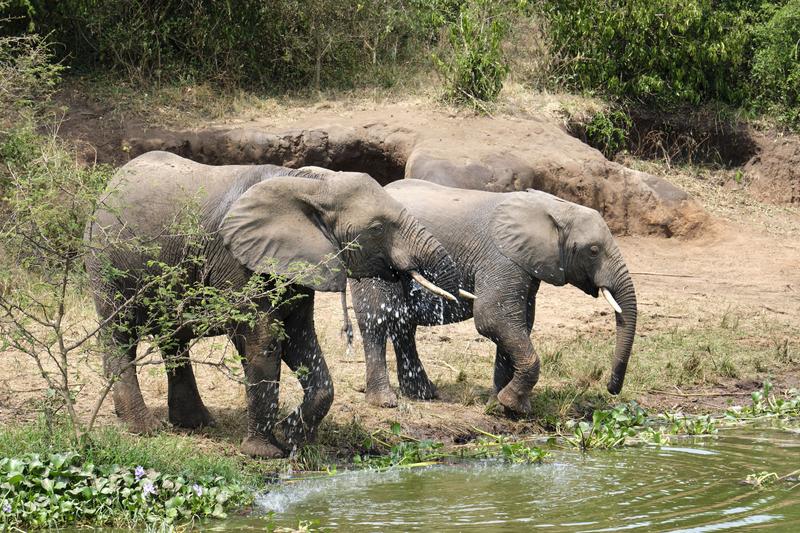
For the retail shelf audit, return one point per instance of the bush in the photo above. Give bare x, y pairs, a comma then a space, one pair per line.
28, 76
663, 51
608, 132
476, 68
272, 45
776, 63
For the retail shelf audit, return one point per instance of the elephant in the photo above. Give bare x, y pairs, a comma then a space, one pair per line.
259, 220
505, 244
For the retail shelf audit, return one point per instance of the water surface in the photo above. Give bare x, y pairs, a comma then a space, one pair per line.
694, 485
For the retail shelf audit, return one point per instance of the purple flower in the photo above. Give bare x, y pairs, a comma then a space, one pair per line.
148, 489
6, 507
197, 489
138, 472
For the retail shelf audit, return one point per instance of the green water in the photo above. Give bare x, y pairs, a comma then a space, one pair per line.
693, 485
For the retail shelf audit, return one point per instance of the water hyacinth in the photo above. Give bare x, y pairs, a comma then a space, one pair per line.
147, 489
61, 489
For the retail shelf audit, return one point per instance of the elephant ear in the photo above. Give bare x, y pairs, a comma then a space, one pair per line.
527, 230
276, 228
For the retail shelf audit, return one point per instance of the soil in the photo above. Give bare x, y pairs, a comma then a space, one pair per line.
737, 264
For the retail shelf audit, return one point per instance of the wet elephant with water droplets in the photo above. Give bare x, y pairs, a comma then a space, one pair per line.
257, 221
505, 245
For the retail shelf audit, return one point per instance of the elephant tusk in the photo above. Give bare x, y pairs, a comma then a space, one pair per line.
466, 295
610, 299
419, 278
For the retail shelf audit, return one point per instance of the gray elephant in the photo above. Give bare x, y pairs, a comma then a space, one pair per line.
505, 245
256, 220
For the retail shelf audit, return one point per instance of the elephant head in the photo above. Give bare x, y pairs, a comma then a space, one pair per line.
318, 227
561, 242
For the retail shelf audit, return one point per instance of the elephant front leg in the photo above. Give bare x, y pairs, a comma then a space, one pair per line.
515, 395
366, 297
260, 352
504, 361
304, 356
506, 319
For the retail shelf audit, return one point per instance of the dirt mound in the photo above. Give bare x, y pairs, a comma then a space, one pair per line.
774, 173
495, 154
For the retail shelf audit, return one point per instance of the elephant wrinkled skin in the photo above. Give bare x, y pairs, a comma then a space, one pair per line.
505, 245
256, 220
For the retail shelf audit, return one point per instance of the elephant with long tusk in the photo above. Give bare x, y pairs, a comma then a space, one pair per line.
505, 245
260, 220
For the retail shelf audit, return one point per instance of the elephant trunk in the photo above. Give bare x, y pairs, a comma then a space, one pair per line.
426, 259
620, 286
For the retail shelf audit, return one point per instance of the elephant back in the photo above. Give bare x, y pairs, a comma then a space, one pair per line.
438, 206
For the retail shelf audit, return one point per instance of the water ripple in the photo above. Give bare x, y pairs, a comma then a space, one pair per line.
693, 487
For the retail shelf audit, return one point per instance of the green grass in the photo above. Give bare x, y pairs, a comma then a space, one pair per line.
165, 452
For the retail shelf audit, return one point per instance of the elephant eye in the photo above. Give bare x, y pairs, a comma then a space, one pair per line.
594, 250
376, 228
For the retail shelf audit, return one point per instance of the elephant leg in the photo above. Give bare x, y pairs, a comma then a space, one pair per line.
374, 333
186, 408
304, 356
501, 317
120, 367
414, 382
503, 363
260, 351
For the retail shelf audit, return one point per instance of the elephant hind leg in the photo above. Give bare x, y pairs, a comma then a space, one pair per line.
120, 366
414, 381
186, 408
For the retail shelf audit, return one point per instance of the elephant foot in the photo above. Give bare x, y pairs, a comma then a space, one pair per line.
191, 417
519, 404
143, 423
419, 390
493, 407
381, 397
293, 432
256, 446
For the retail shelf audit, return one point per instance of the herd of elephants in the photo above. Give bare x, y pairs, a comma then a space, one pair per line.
415, 253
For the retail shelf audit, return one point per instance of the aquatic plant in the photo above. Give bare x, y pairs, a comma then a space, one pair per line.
412, 453
405, 454
491, 446
762, 479
38, 491
682, 424
629, 423
609, 428
766, 404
